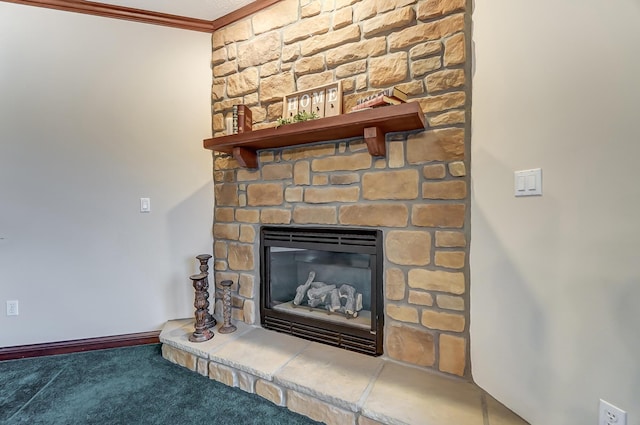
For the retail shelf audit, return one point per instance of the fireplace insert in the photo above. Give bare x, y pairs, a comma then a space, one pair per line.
323, 284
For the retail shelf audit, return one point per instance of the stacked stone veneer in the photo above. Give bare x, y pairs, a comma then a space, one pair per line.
418, 194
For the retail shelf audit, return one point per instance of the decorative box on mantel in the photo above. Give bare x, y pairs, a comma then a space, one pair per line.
372, 124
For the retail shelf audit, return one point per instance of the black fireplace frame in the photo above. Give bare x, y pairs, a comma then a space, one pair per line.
333, 239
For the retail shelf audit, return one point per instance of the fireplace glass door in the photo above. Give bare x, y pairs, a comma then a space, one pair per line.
324, 285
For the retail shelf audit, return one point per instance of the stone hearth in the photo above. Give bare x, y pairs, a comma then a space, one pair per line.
331, 385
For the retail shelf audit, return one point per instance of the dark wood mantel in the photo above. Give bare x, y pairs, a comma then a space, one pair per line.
372, 124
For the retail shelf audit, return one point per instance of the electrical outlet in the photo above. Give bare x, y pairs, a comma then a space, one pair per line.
12, 308
611, 415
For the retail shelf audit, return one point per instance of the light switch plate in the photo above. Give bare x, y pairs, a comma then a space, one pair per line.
145, 205
528, 182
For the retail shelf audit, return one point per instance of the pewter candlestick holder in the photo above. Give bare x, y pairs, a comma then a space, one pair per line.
201, 332
227, 327
204, 268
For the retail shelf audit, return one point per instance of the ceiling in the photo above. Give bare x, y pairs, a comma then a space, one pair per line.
202, 9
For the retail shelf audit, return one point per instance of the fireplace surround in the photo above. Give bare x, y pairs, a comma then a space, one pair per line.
323, 284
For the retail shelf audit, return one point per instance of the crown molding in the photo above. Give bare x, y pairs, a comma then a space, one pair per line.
147, 16
120, 12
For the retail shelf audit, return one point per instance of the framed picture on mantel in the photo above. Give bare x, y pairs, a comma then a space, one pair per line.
324, 101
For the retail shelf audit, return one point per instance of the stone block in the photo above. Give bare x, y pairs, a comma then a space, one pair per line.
320, 180
277, 171
426, 32
401, 184
408, 247
447, 118
247, 216
226, 231
420, 67
225, 162
243, 82
342, 18
442, 102
422, 50
314, 195
277, 16
434, 8
354, 51
275, 216
443, 321
180, 357
358, 161
246, 381
394, 284
454, 50
265, 194
275, 87
293, 194
378, 215
241, 257
220, 265
396, 154
220, 276
307, 28
453, 351
456, 189
218, 56
245, 175
226, 194
322, 42
220, 249
410, 345
315, 215
224, 214
290, 53
225, 69
445, 144
450, 302
247, 233
420, 298
309, 65
436, 280
249, 312
202, 366
237, 314
222, 374
238, 31
341, 179
388, 70
457, 169
267, 70
270, 391
312, 8
438, 215
314, 151
399, 18
218, 122
449, 259
246, 285
232, 51
447, 239
432, 172
318, 410
412, 88
274, 111
351, 68
365, 10
218, 88
402, 313
445, 80
302, 173
306, 82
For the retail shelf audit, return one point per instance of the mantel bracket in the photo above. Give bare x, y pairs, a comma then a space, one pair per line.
375, 140
247, 158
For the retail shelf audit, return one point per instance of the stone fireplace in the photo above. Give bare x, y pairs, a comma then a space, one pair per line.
416, 196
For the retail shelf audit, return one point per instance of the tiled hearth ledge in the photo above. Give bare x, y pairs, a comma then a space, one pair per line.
329, 384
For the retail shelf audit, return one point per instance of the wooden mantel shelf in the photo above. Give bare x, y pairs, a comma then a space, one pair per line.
372, 124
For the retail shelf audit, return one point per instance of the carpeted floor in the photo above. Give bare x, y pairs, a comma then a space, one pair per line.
133, 385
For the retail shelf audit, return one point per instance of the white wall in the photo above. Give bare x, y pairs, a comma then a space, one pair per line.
555, 280
94, 114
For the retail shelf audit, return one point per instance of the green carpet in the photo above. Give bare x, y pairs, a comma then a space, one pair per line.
133, 385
